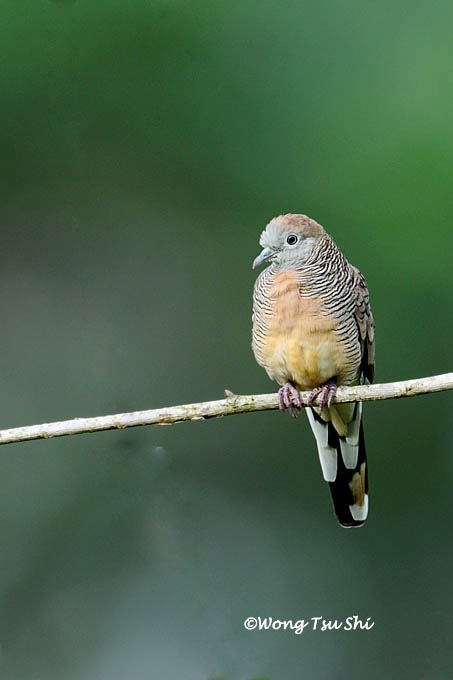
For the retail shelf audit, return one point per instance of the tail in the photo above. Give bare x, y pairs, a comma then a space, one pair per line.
344, 466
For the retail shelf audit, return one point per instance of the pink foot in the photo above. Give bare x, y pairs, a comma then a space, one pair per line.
289, 398
327, 392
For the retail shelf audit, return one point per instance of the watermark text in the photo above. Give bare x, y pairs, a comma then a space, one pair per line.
299, 626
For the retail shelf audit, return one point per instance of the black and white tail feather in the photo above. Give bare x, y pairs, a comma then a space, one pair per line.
344, 466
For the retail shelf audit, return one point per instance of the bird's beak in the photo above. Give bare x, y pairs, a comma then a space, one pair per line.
262, 257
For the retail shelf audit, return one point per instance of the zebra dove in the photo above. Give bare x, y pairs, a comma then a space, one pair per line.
313, 330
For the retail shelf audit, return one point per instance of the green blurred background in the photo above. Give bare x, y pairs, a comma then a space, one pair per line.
145, 144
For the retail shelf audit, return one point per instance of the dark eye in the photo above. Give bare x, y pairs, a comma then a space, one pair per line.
291, 240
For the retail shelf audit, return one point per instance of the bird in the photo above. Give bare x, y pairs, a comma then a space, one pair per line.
313, 330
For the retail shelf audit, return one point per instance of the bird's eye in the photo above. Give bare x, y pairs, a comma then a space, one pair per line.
291, 240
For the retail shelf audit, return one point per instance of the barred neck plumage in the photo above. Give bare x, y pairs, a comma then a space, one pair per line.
325, 266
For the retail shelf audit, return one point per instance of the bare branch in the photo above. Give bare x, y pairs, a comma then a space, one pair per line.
223, 407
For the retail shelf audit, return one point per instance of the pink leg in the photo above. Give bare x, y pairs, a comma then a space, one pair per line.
327, 392
289, 398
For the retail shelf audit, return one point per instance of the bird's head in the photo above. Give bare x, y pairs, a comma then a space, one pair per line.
288, 239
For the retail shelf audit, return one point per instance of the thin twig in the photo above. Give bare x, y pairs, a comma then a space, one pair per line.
233, 403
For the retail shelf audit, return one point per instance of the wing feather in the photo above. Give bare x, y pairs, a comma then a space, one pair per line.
365, 324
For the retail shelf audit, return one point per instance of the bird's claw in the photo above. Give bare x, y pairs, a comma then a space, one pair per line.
327, 392
289, 398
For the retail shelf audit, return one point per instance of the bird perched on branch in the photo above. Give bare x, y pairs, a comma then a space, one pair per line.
313, 330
